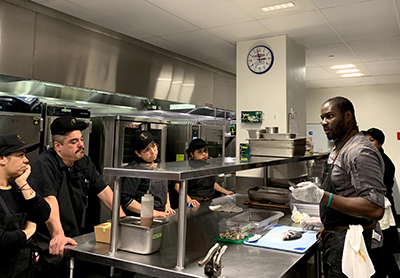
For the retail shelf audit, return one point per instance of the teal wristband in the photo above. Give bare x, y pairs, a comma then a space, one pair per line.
330, 200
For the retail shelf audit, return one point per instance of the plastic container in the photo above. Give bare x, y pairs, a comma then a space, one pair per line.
146, 210
250, 221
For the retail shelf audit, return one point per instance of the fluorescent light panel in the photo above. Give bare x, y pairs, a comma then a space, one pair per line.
347, 71
347, 66
352, 74
278, 7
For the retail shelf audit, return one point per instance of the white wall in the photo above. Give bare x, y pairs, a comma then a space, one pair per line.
268, 92
375, 106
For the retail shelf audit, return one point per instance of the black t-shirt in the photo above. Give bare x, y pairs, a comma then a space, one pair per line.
47, 174
37, 209
203, 187
135, 188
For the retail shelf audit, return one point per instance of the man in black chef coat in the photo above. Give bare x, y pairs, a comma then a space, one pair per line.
65, 177
352, 190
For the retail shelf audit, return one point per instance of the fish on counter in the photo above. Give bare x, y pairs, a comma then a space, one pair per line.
292, 235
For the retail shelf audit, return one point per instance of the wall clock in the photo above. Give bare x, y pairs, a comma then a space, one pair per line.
260, 59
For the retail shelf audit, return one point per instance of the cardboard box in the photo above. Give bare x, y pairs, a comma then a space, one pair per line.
103, 232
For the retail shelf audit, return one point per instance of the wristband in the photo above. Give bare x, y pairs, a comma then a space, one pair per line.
330, 200
23, 186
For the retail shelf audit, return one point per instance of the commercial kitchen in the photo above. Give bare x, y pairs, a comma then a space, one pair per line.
54, 62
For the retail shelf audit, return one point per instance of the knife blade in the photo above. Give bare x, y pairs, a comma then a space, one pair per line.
258, 236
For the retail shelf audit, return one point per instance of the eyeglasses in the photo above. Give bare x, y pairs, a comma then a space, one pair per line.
152, 148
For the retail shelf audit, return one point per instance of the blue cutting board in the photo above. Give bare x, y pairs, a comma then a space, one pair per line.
273, 239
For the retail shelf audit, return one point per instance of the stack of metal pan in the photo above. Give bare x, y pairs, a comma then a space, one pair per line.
277, 144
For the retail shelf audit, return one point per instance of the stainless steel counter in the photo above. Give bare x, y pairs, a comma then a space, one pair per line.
239, 260
191, 232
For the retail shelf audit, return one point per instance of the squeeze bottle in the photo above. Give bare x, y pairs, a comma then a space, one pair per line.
146, 211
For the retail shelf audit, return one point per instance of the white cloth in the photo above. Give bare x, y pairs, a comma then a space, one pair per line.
356, 262
387, 219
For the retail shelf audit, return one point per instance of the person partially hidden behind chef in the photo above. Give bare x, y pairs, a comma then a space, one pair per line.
351, 196
132, 189
20, 209
65, 177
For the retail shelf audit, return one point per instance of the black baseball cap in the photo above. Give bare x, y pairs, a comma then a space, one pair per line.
11, 143
64, 124
141, 139
375, 133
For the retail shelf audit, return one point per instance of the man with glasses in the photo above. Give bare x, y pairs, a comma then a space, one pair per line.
132, 189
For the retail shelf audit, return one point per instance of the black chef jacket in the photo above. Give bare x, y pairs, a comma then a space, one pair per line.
70, 185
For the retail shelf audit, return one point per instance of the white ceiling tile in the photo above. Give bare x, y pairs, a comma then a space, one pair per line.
377, 50
336, 3
388, 79
359, 81
366, 20
204, 43
326, 83
204, 13
342, 54
241, 32
308, 29
310, 63
318, 73
253, 7
383, 67
138, 14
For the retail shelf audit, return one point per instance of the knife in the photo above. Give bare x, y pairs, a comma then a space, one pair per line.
258, 236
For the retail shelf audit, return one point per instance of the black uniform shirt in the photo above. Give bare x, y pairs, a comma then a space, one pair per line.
37, 209
47, 174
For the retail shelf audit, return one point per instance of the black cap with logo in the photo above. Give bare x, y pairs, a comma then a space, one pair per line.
64, 124
141, 139
11, 143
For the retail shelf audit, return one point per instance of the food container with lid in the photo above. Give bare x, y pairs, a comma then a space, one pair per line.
250, 221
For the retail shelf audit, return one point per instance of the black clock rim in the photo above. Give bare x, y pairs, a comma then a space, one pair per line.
272, 59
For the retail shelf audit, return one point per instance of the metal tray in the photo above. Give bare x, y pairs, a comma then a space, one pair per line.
281, 147
139, 239
269, 194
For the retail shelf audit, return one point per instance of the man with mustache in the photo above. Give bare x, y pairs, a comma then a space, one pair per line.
352, 190
66, 177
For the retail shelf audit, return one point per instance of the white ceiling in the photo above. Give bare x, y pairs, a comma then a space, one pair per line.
363, 32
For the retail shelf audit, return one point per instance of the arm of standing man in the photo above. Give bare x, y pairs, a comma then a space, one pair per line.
58, 238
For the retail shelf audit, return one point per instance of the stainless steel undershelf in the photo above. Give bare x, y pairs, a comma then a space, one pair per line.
186, 170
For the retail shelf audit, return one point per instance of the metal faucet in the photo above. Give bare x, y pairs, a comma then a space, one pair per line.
212, 262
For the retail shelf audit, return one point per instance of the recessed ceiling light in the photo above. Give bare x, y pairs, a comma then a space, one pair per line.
347, 66
347, 70
352, 74
278, 7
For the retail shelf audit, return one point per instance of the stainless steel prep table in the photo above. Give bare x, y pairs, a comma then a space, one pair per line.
198, 231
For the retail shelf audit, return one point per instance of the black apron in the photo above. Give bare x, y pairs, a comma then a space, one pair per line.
73, 201
17, 262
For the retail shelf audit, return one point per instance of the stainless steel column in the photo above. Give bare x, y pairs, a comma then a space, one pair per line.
180, 261
115, 217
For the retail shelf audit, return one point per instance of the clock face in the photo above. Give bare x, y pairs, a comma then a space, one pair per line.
260, 59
